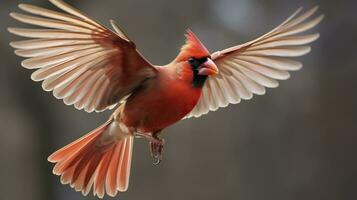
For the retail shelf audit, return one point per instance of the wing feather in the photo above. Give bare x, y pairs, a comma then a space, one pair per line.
57, 15
52, 51
47, 43
51, 33
49, 23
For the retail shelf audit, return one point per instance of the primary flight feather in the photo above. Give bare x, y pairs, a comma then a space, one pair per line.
94, 69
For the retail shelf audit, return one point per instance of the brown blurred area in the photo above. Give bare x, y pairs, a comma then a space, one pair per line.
298, 141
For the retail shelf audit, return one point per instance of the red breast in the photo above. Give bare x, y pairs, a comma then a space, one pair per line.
163, 100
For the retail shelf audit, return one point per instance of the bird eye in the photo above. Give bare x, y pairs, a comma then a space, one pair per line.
194, 62
191, 60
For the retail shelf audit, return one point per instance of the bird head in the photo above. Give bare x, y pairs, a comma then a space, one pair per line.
197, 56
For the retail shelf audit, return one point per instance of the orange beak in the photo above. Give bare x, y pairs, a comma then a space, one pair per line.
209, 68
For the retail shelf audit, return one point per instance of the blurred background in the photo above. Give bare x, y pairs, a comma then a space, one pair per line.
297, 142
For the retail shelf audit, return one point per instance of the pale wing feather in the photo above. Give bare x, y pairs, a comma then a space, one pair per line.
58, 15
249, 68
49, 23
81, 61
118, 30
47, 43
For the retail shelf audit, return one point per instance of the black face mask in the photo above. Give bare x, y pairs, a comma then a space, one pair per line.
198, 80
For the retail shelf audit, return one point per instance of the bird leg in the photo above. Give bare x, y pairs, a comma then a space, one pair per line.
156, 149
156, 146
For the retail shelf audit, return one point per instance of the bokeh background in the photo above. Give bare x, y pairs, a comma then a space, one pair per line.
297, 142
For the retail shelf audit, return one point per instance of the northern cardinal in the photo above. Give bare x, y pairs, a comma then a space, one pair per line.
95, 69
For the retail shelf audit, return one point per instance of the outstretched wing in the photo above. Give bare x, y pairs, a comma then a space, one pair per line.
248, 68
82, 62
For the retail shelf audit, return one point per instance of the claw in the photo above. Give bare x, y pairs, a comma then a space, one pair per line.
156, 160
156, 149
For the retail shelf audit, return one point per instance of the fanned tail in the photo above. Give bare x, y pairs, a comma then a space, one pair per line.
101, 159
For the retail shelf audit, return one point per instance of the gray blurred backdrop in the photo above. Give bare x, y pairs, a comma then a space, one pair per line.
297, 142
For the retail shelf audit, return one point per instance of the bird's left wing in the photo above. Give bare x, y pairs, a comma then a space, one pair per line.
248, 68
81, 61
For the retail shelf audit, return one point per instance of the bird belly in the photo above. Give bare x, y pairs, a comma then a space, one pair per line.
155, 108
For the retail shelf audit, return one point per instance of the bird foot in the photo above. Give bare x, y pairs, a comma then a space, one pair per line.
156, 148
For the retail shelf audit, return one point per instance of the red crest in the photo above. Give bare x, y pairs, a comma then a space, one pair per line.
193, 47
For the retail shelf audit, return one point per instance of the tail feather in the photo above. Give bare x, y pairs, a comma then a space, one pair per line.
76, 145
110, 182
79, 182
102, 171
123, 181
86, 163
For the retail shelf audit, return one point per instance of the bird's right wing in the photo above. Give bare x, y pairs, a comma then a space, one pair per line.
82, 62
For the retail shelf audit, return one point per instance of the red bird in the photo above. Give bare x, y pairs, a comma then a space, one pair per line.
95, 69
